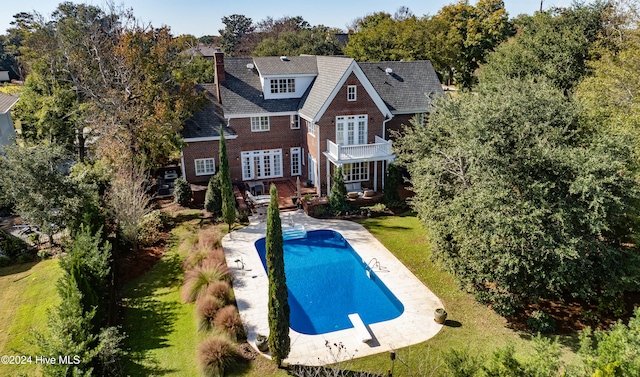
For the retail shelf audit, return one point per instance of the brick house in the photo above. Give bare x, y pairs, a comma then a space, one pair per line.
284, 117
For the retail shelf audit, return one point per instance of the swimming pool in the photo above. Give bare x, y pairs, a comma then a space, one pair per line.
327, 281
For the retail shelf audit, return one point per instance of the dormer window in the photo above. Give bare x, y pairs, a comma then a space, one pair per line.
283, 85
351, 93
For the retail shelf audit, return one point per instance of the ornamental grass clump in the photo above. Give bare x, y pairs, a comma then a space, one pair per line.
206, 309
222, 291
228, 320
217, 356
198, 280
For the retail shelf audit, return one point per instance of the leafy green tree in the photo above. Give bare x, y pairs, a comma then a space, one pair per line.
34, 181
338, 196
320, 40
197, 70
611, 96
226, 188
236, 27
556, 44
473, 33
522, 200
213, 196
121, 75
279, 341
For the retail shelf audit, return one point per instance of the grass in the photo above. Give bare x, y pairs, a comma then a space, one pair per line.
26, 292
161, 331
471, 326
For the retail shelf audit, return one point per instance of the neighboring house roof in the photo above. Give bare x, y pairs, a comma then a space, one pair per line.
6, 102
294, 65
241, 91
201, 49
205, 123
410, 88
330, 71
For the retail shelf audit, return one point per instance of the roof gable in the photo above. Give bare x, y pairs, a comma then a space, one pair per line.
332, 74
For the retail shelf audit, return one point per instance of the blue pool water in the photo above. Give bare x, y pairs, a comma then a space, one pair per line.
327, 281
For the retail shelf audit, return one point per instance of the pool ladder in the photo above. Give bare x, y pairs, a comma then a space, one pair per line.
376, 264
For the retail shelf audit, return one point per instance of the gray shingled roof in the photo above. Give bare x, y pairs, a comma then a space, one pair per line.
242, 92
6, 101
273, 65
330, 71
206, 121
200, 50
410, 88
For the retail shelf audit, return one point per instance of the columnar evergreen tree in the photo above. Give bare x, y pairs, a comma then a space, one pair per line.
391, 182
338, 196
213, 197
279, 342
228, 199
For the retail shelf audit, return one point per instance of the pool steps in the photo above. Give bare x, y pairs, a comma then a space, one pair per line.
361, 329
293, 233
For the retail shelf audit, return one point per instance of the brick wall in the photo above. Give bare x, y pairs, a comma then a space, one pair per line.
280, 136
364, 104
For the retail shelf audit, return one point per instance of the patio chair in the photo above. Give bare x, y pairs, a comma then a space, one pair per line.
258, 200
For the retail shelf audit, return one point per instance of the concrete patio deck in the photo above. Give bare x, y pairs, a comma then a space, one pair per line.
250, 285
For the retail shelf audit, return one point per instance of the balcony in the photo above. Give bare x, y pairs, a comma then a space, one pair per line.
380, 150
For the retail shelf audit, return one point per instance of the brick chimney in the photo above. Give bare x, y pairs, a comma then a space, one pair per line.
218, 58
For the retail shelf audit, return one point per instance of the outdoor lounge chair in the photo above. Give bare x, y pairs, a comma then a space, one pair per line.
258, 200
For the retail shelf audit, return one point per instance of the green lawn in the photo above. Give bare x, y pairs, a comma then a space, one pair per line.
26, 292
473, 326
161, 331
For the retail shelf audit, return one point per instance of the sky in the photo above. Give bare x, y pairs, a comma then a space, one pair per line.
201, 17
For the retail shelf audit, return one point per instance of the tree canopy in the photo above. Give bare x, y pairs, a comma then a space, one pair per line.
522, 200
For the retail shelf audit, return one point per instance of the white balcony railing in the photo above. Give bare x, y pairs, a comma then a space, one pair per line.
381, 149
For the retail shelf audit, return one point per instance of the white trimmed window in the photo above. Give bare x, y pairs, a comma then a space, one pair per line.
296, 161
312, 129
205, 166
295, 121
351, 130
422, 118
262, 164
357, 171
351, 92
260, 124
283, 85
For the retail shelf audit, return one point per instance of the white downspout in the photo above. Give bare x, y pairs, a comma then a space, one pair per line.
184, 174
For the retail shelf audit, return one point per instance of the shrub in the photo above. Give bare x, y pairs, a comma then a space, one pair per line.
221, 290
213, 197
11, 246
217, 356
541, 322
150, 227
198, 280
338, 196
25, 258
228, 319
206, 309
182, 192
391, 182
5, 261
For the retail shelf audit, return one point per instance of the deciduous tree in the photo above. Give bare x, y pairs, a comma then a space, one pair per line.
34, 180
522, 200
